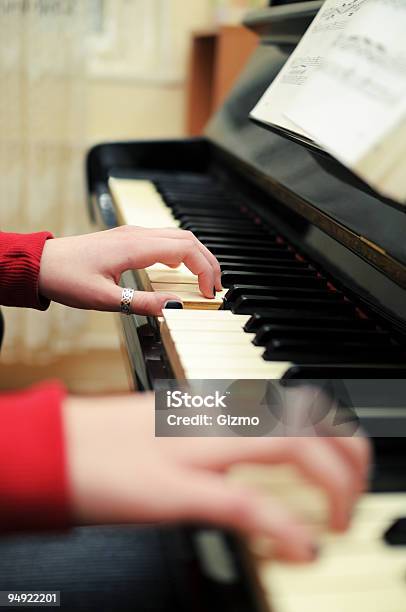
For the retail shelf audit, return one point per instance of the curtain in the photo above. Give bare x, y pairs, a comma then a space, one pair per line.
42, 144
144, 40
49, 49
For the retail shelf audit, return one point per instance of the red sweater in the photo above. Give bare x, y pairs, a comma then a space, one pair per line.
33, 479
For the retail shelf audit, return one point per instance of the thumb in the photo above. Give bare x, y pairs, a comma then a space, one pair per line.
151, 303
143, 302
210, 498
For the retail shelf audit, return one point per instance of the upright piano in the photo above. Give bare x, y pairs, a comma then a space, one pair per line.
314, 275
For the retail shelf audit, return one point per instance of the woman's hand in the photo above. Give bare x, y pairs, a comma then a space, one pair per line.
121, 473
84, 271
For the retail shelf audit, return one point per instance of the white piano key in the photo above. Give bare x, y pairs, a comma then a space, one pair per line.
203, 315
190, 295
372, 600
355, 571
137, 202
172, 276
231, 337
206, 347
237, 353
238, 372
221, 327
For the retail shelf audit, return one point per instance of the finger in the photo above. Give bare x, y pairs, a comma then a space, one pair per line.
358, 452
323, 465
151, 303
172, 251
178, 233
211, 499
315, 458
214, 263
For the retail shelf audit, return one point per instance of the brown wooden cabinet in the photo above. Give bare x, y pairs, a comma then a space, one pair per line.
216, 59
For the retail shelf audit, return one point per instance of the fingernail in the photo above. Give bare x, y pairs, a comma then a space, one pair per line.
173, 305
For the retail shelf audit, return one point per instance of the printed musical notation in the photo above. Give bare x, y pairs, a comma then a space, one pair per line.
306, 58
354, 104
371, 66
298, 71
342, 9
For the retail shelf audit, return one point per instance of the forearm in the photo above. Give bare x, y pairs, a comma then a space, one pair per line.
33, 478
20, 259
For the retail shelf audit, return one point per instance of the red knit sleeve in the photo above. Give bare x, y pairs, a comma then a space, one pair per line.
20, 257
33, 478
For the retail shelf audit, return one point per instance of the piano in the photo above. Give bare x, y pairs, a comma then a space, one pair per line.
314, 275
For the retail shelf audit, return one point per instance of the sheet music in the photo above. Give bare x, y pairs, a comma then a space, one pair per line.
355, 103
331, 19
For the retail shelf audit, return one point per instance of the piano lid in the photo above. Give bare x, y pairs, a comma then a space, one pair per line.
314, 184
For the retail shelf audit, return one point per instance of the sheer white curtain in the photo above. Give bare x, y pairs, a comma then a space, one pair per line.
145, 40
42, 129
44, 58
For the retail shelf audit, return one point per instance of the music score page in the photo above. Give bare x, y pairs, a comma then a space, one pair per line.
331, 19
354, 104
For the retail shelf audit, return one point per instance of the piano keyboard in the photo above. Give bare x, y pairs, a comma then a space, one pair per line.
357, 570
138, 203
278, 313
205, 345
293, 313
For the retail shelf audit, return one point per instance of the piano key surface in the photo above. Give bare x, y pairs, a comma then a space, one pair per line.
214, 347
264, 277
356, 570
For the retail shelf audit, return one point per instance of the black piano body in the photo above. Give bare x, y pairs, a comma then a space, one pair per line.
331, 217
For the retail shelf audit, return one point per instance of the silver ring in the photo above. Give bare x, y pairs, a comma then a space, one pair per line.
126, 299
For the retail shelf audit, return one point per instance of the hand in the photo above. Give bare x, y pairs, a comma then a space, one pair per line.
121, 473
84, 271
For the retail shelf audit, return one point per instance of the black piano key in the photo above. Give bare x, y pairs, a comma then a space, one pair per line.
304, 319
249, 304
356, 357
187, 198
280, 267
276, 252
187, 212
220, 233
182, 180
237, 291
252, 242
267, 333
189, 189
239, 230
206, 207
303, 351
208, 222
186, 186
304, 278
342, 371
256, 260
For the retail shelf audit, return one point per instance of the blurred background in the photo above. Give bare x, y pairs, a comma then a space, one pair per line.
74, 73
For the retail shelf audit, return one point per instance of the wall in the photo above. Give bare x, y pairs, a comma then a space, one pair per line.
119, 109
151, 106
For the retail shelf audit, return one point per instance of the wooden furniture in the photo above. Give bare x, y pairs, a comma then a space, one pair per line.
216, 60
